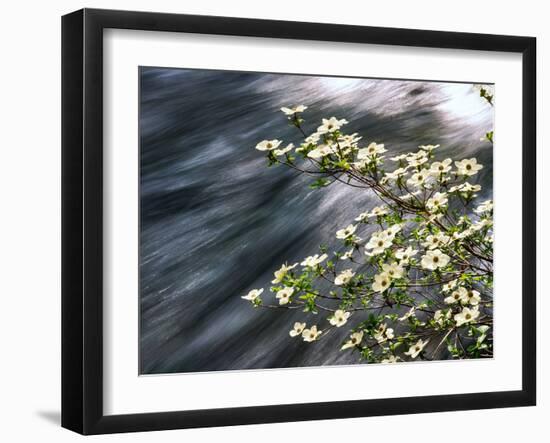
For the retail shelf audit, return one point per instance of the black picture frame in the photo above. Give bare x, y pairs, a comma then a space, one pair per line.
82, 220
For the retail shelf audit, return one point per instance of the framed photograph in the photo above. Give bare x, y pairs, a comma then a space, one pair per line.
269, 221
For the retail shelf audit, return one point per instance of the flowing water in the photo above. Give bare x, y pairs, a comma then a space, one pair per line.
216, 222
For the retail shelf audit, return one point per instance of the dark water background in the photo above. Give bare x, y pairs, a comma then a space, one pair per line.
216, 222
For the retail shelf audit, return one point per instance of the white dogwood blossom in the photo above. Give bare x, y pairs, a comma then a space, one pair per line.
281, 272
428, 148
348, 231
314, 260
404, 255
320, 152
295, 110
311, 334
283, 295
383, 333
486, 206
370, 151
381, 282
442, 167
330, 125
417, 348
283, 151
438, 201
253, 295
434, 260
268, 145
355, 340
393, 270
466, 316
468, 167
297, 330
339, 318
344, 277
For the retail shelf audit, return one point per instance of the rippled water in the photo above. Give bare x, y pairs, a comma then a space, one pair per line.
215, 222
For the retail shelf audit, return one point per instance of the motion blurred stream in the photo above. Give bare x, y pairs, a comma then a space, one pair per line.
216, 222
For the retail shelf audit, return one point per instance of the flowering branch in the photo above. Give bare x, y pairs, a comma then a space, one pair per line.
422, 277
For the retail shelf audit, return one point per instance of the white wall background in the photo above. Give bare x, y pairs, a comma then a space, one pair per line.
30, 217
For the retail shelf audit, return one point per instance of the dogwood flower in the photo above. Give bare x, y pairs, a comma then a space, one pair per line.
370, 151
381, 282
383, 333
344, 277
483, 329
253, 295
418, 179
480, 224
436, 240
467, 187
471, 297
404, 255
314, 260
393, 230
394, 270
280, 274
311, 334
400, 172
354, 340
283, 295
399, 158
298, 329
438, 168
347, 255
390, 359
362, 217
313, 138
408, 314
456, 296
292, 111
434, 260
379, 211
268, 145
417, 159
466, 316
346, 232
378, 243
339, 318
428, 148
417, 348
440, 317
320, 151
449, 285
468, 167
410, 195
486, 206
283, 151
330, 125
438, 201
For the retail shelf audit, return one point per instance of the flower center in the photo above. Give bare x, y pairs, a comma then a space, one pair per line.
436, 259
468, 167
468, 316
